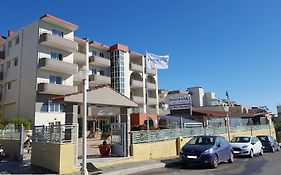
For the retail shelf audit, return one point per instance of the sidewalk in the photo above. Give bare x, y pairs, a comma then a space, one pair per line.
133, 167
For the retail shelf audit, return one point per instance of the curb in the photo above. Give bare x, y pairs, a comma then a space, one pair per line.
136, 169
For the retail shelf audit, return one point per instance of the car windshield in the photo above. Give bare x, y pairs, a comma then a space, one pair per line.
202, 141
263, 138
240, 140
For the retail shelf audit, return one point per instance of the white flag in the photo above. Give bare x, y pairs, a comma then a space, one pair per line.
156, 62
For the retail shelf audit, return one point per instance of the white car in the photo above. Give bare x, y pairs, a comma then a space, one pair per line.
246, 146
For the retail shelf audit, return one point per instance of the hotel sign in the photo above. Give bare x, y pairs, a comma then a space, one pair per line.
179, 102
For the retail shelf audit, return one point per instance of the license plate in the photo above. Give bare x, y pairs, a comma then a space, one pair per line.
192, 157
236, 152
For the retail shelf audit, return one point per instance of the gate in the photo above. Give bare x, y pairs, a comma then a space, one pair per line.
119, 139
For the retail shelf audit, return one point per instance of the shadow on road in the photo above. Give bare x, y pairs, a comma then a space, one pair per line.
14, 167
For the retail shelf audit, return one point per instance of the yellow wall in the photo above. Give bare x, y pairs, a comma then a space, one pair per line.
11, 148
170, 148
59, 158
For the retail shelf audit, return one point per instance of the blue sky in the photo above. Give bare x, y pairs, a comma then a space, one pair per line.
221, 45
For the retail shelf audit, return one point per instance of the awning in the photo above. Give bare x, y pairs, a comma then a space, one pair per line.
100, 95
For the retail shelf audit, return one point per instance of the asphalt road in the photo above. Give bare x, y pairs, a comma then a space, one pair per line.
268, 164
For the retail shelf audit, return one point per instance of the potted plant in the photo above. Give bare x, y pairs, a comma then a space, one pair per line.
104, 148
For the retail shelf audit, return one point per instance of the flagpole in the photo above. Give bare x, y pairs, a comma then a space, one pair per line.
145, 72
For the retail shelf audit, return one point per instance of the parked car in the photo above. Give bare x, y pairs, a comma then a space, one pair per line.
206, 150
269, 143
246, 146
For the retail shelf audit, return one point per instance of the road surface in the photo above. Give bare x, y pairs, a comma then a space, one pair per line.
268, 164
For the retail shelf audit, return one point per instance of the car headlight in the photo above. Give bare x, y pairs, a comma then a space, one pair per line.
246, 146
208, 151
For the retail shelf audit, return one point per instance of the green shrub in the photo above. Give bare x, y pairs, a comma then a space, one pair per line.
18, 121
105, 135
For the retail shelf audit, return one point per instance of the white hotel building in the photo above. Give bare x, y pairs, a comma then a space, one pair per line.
42, 60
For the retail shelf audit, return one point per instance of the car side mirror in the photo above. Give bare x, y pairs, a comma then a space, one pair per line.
218, 145
253, 143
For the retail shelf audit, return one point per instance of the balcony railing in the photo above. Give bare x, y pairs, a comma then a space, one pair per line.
99, 79
55, 89
151, 86
58, 42
136, 84
79, 58
151, 72
138, 99
135, 67
151, 101
57, 66
99, 61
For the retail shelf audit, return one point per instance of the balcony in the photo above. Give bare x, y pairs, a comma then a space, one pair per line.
79, 58
99, 61
58, 42
151, 86
151, 101
136, 84
57, 66
55, 89
135, 67
2, 56
1, 76
99, 79
137, 99
151, 72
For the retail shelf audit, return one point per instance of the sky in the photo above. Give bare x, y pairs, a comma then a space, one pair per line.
220, 45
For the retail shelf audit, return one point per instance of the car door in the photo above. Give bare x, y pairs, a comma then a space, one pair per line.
256, 146
219, 148
275, 143
225, 149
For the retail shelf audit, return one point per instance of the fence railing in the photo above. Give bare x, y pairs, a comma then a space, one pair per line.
55, 134
9, 134
168, 134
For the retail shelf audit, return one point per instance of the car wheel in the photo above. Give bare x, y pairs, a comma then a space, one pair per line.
231, 158
261, 152
215, 161
251, 155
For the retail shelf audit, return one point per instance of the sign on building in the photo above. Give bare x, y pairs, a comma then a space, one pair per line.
179, 102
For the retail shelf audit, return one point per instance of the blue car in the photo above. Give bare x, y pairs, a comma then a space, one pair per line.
206, 151
269, 143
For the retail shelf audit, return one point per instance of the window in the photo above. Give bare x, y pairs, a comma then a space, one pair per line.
16, 61
57, 123
8, 64
101, 55
50, 106
10, 44
94, 71
55, 80
57, 32
94, 53
102, 72
56, 56
17, 40
9, 85
51, 123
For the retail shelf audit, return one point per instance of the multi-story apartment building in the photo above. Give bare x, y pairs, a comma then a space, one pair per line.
42, 60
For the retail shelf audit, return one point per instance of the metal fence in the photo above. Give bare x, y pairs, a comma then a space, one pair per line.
168, 134
55, 134
10, 134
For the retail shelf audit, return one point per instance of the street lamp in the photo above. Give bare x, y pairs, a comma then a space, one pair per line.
83, 74
226, 109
